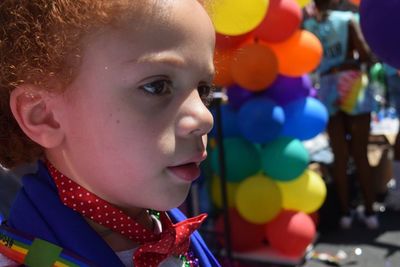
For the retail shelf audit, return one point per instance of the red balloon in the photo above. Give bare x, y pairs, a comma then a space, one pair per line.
245, 236
229, 41
291, 232
315, 217
282, 20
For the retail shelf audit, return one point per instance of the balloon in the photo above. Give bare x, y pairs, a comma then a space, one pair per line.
237, 95
229, 123
303, 3
242, 159
299, 54
315, 218
255, 67
260, 120
291, 232
284, 159
245, 236
304, 118
224, 42
216, 192
222, 63
286, 89
236, 17
258, 199
313, 92
282, 20
313, 192
379, 20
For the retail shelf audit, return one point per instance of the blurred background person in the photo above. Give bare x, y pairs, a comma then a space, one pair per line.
344, 91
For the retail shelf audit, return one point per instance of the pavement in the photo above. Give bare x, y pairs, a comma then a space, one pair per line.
359, 246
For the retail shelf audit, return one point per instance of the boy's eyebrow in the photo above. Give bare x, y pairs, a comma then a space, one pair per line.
167, 58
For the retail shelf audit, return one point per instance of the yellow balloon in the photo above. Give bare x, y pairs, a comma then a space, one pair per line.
236, 17
258, 199
216, 192
305, 193
303, 3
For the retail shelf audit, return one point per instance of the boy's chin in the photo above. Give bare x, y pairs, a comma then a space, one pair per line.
168, 204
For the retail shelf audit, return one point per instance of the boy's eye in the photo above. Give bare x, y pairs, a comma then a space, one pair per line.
159, 87
206, 92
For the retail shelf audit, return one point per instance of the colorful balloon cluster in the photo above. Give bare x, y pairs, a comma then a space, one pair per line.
262, 59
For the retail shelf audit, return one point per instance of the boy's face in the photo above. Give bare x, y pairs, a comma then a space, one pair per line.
135, 125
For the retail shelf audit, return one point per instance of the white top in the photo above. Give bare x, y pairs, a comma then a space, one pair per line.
5, 262
126, 258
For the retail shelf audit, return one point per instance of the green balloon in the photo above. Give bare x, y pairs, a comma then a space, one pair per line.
242, 159
284, 159
377, 74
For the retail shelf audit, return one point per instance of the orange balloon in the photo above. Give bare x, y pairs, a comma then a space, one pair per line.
355, 2
282, 20
299, 54
255, 67
222, 63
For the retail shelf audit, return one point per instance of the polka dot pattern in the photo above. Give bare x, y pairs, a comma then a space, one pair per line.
154, 248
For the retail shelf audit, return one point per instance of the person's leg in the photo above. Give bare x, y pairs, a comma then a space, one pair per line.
338, 143
392, 199
359, 128
393, 83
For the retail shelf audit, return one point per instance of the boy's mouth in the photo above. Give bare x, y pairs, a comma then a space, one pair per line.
187, 172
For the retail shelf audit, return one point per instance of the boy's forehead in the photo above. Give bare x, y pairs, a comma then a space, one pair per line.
158, 29
172, 16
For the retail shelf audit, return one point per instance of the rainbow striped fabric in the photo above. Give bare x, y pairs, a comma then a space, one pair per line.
36, 252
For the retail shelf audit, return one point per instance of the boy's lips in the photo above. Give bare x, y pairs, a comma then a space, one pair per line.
187, 172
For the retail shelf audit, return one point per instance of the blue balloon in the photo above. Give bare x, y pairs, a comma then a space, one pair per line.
379, 21
261, 120
304, 118
229, 122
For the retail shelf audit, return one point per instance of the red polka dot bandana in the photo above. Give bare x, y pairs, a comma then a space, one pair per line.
154, 248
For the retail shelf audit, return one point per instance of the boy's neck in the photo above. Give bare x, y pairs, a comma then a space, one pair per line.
115, 240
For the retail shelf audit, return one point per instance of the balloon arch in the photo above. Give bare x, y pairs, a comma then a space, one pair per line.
262, 60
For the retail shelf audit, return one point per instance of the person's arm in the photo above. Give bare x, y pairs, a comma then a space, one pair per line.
358, 44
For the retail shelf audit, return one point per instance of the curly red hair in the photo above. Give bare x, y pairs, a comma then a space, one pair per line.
40, 42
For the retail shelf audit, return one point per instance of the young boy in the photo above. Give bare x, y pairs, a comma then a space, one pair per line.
110, 95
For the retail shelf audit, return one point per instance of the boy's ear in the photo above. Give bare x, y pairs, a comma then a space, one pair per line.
32, 107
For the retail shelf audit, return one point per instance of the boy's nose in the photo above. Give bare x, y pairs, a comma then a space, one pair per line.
195, 118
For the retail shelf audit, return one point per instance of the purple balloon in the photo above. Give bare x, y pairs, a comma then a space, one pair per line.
238, 95
379, 21
313, 92
287, 89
